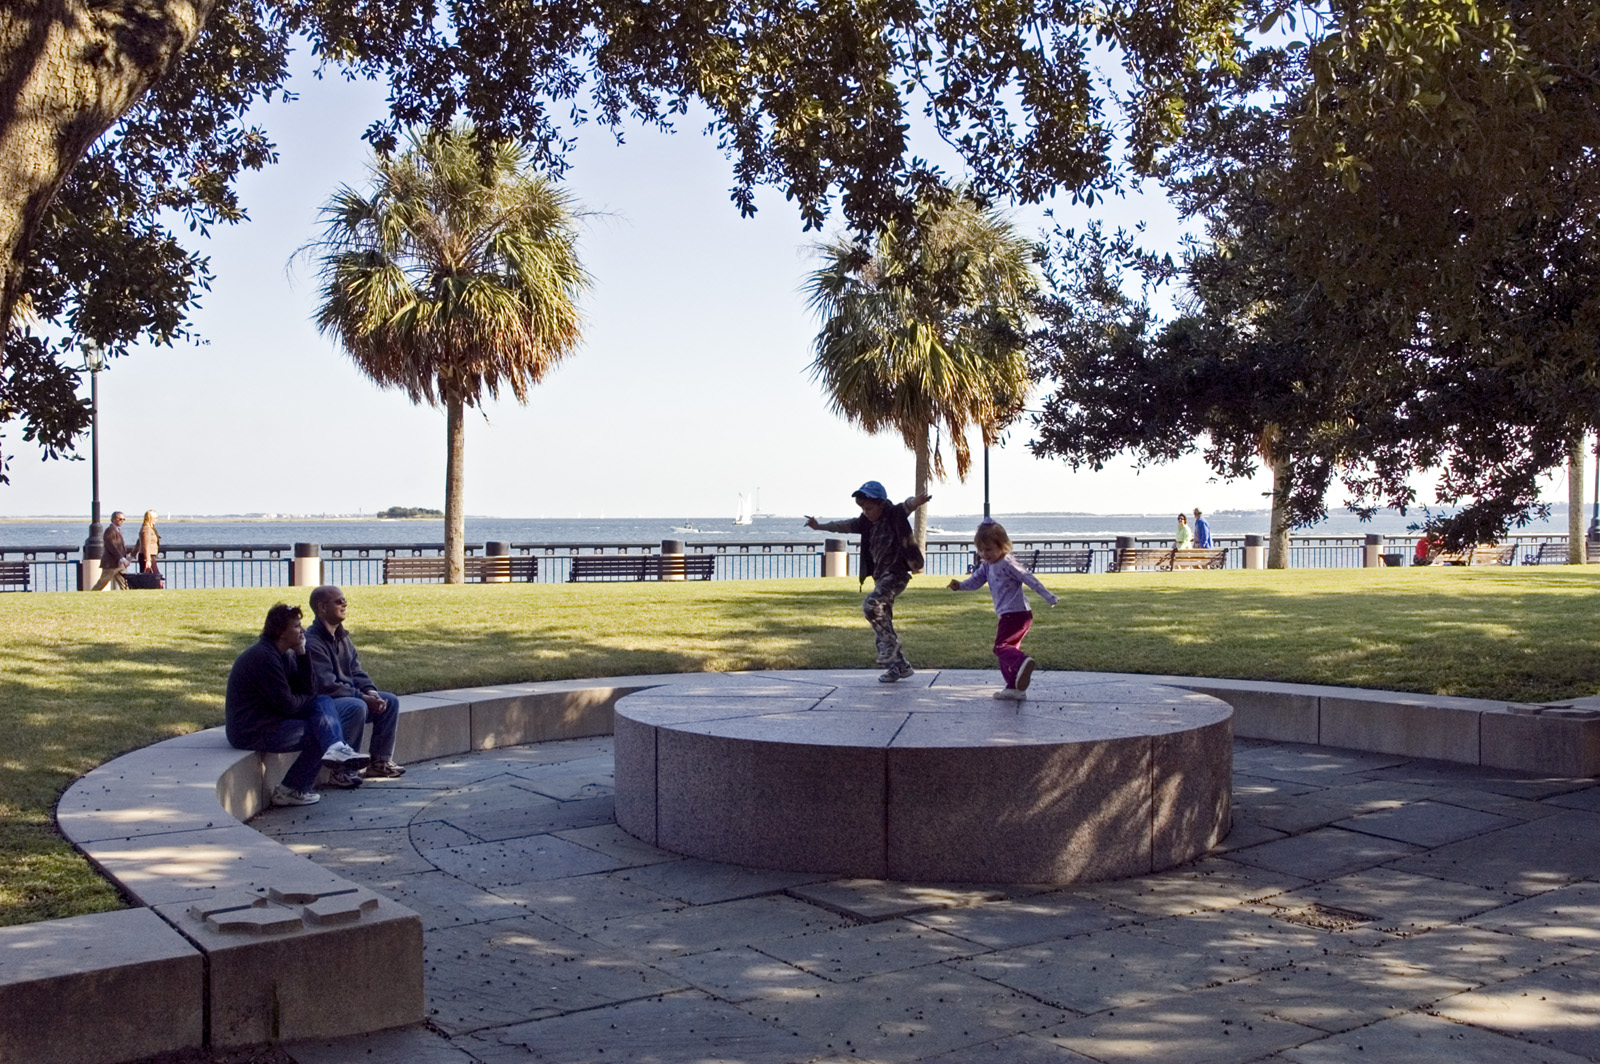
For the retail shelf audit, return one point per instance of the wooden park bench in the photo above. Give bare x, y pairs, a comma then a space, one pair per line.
1482, 554
497, 568
616, 567
1048, 561
1547, 554
1170, 558
15, 576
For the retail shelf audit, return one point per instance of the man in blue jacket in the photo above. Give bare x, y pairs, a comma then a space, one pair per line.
336, 672
1202, 531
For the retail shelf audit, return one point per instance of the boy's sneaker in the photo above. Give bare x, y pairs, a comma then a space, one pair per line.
1009, 694
282, 795
343, 779
896, 673
1025, 673
384, 769
342, 755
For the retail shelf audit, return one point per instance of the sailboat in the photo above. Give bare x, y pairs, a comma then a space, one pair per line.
759, 512
743, 517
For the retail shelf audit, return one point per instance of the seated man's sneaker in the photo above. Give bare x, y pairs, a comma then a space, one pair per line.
343, 779
342, 755
282, 795
384, 769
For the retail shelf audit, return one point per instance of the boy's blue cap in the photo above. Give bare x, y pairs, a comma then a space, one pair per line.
871, 490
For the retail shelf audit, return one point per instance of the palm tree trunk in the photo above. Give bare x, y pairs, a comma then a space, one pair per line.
1278, 541
924, 473
454, 492
1575, 538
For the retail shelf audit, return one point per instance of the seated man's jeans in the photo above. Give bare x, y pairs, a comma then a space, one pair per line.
310, 735
354, 713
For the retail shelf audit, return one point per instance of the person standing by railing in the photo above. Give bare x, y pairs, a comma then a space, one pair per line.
1185, 537
1202, 531
113, 556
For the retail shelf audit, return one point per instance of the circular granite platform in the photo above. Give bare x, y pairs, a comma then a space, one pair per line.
924, 780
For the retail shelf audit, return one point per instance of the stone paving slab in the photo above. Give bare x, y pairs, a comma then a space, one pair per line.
1208, 1027
491, 974
1024, 922
912, 1015
1557, 1006
1425, 823
1400, 902
1425, 1040
878, 899
850, 953
678, 1028
1325, 853
744, 922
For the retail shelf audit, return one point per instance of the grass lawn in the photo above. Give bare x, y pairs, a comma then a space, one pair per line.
87, 677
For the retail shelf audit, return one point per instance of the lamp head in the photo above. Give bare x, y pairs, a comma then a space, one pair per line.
94, 356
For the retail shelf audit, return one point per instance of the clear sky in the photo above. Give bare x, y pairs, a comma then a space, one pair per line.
691, 386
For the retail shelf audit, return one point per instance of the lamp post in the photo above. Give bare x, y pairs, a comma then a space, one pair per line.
1594, 521
94, 360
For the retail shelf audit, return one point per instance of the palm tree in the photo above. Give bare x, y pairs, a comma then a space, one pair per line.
455, 274
924, 330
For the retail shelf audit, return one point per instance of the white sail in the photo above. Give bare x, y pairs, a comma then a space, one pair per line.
743, 517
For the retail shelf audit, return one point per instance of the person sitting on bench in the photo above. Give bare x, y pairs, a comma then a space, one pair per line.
270, 709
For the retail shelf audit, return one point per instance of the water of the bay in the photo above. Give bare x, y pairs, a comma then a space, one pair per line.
65, 532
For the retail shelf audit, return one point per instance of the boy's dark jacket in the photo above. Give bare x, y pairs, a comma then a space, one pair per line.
902, 555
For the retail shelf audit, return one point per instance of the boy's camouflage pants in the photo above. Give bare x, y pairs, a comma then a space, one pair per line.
879, 611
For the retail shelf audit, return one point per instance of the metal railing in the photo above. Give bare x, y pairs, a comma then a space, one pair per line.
200, 565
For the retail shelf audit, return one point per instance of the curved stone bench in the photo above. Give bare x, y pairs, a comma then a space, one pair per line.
927, 782
164, 823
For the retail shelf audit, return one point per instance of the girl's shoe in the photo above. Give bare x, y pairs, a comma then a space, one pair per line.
1009, 694
1025, 674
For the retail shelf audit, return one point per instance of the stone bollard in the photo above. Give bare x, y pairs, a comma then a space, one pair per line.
496, 562
89, 568
672, 559
1124, 554
835, 558
1372, 552
306, 569
1255, 552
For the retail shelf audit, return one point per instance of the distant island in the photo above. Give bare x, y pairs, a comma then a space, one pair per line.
410, 511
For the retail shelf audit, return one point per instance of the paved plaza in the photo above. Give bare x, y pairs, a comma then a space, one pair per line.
1365, 907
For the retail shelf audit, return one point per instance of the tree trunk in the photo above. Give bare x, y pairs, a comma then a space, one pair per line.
68, 71
924, 474
455, 530
1575, 537
1278, 541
